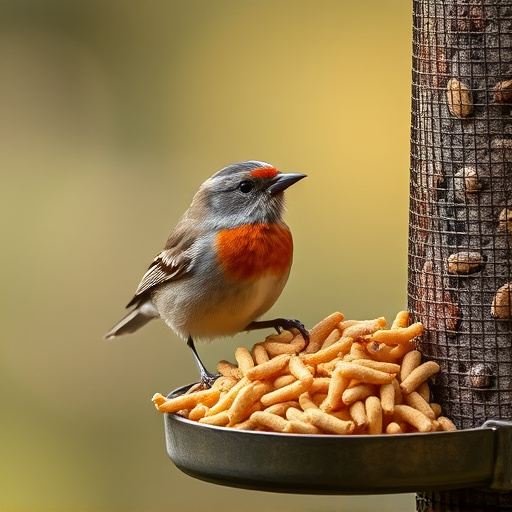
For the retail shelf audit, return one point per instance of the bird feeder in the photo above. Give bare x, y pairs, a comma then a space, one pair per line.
459, 287
460, 281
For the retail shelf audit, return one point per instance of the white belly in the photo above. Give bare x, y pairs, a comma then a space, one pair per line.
233, 315
224, 314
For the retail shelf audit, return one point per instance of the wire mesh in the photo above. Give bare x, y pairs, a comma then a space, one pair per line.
460, 236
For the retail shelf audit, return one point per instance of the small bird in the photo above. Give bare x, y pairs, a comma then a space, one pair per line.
225, 263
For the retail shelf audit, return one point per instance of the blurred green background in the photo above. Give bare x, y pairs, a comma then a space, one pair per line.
111, 115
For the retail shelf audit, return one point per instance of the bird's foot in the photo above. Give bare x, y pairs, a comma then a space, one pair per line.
279, 324
207, 378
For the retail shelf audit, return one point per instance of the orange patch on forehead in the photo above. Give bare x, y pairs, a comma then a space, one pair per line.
265, 172
253, 250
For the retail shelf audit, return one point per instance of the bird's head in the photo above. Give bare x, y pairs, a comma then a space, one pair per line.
245, 193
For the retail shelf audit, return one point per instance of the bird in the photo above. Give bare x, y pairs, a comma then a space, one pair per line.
225, 263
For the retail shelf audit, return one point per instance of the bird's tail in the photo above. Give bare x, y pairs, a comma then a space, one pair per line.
134, 320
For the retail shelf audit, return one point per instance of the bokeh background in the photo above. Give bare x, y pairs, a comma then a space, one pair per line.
111, 115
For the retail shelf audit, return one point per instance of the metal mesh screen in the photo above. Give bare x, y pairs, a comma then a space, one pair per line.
460, 237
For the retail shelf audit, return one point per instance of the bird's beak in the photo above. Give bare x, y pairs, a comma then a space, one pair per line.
282, 181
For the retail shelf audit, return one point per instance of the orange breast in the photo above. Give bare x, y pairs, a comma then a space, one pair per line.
252, 250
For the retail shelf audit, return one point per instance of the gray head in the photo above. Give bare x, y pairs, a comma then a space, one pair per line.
244, 193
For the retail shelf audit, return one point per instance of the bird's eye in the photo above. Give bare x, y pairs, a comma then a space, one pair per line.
246, 186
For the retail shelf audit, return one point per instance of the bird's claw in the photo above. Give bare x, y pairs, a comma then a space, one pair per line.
208, 379
278, 324
288, 324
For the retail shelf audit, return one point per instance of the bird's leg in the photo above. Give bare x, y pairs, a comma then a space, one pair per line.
278, 324
207, 378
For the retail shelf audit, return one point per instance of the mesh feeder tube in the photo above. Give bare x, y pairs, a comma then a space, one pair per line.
460, 234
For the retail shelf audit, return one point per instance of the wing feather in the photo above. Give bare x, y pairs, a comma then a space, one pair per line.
172, 263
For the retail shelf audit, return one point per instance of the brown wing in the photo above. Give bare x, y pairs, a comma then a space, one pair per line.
171, 264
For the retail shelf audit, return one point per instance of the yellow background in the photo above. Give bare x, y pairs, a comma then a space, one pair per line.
111, 115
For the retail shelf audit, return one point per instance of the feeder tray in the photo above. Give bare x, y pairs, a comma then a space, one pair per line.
342, 465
